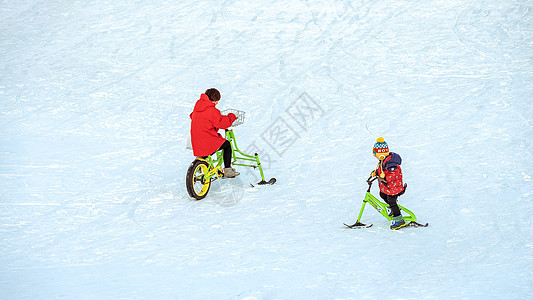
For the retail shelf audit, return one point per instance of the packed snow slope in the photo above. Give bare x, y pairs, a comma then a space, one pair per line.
95, 99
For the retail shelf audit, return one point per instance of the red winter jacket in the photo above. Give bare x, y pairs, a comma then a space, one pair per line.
393, 176
206, 121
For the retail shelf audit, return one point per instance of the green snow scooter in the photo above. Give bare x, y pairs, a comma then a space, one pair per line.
381, 207
202, 172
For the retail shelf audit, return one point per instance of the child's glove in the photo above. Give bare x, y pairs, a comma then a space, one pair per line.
373, 174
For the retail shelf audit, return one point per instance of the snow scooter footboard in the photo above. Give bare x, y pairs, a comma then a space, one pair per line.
382, 207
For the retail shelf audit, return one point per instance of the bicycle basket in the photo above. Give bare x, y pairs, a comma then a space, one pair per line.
239, 113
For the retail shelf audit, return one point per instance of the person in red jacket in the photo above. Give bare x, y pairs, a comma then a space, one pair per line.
206, 120
390, 180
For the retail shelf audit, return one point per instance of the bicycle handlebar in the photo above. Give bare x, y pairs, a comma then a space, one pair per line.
369, 181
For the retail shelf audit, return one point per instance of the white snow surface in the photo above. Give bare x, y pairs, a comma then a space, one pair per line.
95, 98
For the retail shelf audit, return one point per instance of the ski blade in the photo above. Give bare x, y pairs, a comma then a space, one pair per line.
416, 224
358, 225
262, 182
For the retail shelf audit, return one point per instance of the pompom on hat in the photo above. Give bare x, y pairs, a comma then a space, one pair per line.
381, 149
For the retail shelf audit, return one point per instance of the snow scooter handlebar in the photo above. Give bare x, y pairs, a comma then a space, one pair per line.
369, 181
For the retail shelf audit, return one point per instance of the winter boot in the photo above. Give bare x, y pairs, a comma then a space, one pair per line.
230, 173
391, 214
397, 222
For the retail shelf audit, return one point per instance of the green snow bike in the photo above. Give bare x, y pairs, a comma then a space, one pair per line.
382, 207
203, 171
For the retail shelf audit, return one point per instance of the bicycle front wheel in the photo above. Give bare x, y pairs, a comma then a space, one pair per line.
197, 186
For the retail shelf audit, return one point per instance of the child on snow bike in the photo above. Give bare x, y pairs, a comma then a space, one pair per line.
389, 176
206, 120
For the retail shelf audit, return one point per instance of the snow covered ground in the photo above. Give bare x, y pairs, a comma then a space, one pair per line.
94, 105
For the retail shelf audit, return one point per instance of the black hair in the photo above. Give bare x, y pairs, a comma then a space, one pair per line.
213, 94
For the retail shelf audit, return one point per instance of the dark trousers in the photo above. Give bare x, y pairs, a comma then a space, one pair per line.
226, 154
392, 202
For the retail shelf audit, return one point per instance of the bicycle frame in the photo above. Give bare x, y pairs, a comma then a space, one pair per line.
215, 165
